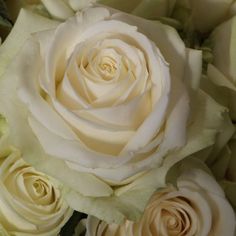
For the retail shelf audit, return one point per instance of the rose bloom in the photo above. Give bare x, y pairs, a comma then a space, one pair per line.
102, 101
196, 207
30, 202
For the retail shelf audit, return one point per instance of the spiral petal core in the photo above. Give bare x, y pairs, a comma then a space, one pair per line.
30, 203
103, 93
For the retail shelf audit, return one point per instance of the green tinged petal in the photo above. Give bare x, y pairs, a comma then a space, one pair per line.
154, 9
223, 167
149, 9
222, 74
182, 166
195, 14
3, 126
128, 202
230, 191
26, 24
3, 232
224, 164
122, 5
220, 166
58, 9
223, 41
17, 117
221, 89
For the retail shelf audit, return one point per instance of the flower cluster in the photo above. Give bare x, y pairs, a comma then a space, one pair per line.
126, 110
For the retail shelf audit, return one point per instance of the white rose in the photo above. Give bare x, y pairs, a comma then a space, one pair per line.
197, 207
104, 95
105, 102
30, 203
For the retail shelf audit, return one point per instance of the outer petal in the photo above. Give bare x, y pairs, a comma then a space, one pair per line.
78, 5
58, 9
147, 9
222, 212
17, 117
220, 88
197, 12
26, 24
166, 39
223, 40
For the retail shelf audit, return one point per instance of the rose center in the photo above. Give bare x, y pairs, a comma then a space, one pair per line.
39, 188
107, 67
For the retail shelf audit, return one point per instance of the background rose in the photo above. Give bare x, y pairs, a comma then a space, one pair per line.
195, 14
223, 166
73, 143
14, 6
31, 203
154, 9
221, 74
58, 9
196, 207
62, 9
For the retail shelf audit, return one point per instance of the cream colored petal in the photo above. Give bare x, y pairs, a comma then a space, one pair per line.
59, 51
203, 20
176, 123
149, 128
154, 9
58, 9
96, 136
26, 24
193, 68
68, 96
129, 114
78, 5
165, 38
218, 78
223, 40
28, 90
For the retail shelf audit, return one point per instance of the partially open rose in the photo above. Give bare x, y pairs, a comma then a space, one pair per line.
197, 207
105, 102
30, 203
